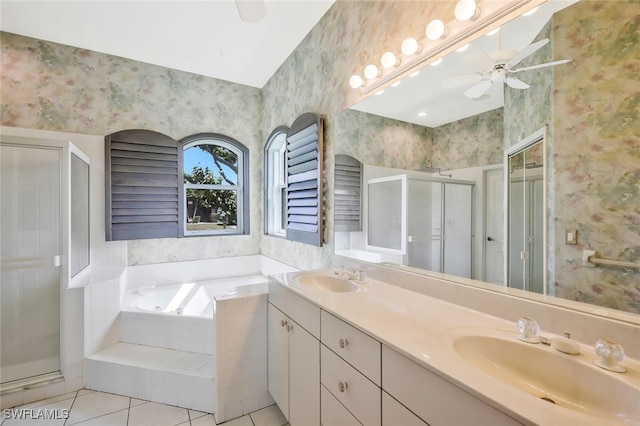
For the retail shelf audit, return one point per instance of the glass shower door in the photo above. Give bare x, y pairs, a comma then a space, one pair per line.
30, 222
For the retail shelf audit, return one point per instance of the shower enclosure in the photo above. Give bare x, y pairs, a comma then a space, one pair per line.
36, 180
428, 221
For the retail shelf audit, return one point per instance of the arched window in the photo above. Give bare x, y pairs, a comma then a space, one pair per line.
275, 183
215, 191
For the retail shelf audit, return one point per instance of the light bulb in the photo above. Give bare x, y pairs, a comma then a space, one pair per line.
396, 84
422, 114
466, 10
496, 31
463, 48
389, 60
371, 72
436, 63
380, 92
356, 81
410, 46
435, 30
531, 12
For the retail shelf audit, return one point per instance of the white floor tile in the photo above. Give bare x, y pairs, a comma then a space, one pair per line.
153, 414
51, 400
206, 420
193, 414
269, 416
135, 401
96, 404
85, 392
40, 415
240, 421
119, 418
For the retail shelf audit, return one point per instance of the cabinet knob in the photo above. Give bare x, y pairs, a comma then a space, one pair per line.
289, 327
283, 323
343, 343
342, 386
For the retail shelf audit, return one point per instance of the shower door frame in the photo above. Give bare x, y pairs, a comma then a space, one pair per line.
64, 149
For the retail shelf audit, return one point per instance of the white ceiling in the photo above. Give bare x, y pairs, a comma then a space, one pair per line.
202, 37
424, 92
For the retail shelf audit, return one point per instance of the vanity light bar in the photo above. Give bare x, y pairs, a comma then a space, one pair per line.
471, 16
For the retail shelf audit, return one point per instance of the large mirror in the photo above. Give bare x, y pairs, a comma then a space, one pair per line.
589, 196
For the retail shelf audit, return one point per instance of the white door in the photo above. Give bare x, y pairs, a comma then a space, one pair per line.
278, 358
304, 377
30, 222
494, 226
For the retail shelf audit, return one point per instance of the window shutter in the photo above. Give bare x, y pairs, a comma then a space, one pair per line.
348, 194
304, 180
142, 185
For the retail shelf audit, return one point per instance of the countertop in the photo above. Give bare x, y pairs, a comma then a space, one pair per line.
423, 329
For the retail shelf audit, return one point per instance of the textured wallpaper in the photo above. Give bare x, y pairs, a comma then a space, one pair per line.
597, 150
54, 87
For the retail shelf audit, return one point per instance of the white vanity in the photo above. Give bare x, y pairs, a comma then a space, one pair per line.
347, 352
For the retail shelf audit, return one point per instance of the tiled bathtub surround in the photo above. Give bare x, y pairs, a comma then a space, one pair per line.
241, 357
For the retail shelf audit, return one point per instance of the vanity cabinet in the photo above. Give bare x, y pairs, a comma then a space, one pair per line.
432, 398
350, 373
293, 329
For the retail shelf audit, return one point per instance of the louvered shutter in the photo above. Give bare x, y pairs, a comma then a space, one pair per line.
348, 194
304, 180
142, 185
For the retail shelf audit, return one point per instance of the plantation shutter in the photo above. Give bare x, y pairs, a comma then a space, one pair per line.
348, 194
304, 180
142, 185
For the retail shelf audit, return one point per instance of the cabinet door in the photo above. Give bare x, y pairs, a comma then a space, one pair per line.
304, 377
278, 361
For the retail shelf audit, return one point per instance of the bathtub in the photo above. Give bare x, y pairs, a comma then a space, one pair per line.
183, 316
194, 299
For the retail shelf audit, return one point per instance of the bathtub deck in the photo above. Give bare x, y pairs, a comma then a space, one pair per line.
168, 376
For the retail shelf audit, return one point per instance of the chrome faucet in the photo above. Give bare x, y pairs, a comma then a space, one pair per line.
610, 355
351, 274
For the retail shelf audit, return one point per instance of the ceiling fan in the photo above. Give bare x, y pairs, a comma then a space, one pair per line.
497, 67
251, 10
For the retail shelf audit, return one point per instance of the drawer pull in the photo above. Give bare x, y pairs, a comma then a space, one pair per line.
342, 386
289, 327
283, 323
343, 343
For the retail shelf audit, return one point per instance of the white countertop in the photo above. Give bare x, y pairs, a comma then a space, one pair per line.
423, 328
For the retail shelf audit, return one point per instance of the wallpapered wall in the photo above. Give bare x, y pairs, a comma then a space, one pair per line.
54, 87
591, 107
597, 150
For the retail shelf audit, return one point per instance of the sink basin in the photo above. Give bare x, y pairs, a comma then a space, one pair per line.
322, 282
570, 381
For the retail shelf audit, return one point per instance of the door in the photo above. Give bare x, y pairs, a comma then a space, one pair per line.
31, 226
304, 377
494, 226
278, 355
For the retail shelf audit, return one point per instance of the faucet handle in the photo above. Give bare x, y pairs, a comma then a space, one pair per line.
610, 355
528, 330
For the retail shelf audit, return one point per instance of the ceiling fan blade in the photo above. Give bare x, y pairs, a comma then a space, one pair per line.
251, 10
546, 64
460, 80
478, 89
530, 49
516, 83
478, 61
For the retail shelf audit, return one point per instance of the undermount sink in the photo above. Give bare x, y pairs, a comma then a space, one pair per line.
570, 381
324, 282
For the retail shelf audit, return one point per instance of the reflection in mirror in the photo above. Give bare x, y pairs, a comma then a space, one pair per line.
526, 222
589, 107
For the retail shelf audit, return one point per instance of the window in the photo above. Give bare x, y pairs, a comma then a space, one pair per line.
215, 193
275, 178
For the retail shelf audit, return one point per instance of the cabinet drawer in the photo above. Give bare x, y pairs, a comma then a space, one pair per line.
359, 395
355, 347
332, 413
396, 414
432, 398
297, 308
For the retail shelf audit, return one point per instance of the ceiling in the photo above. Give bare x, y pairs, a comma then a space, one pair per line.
201, 37
424, 92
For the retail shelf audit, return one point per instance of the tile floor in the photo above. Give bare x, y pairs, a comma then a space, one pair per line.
90, 408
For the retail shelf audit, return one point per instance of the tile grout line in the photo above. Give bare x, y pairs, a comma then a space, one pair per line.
71, 408
129, 411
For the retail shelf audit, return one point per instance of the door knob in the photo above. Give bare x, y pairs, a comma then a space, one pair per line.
490, 239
